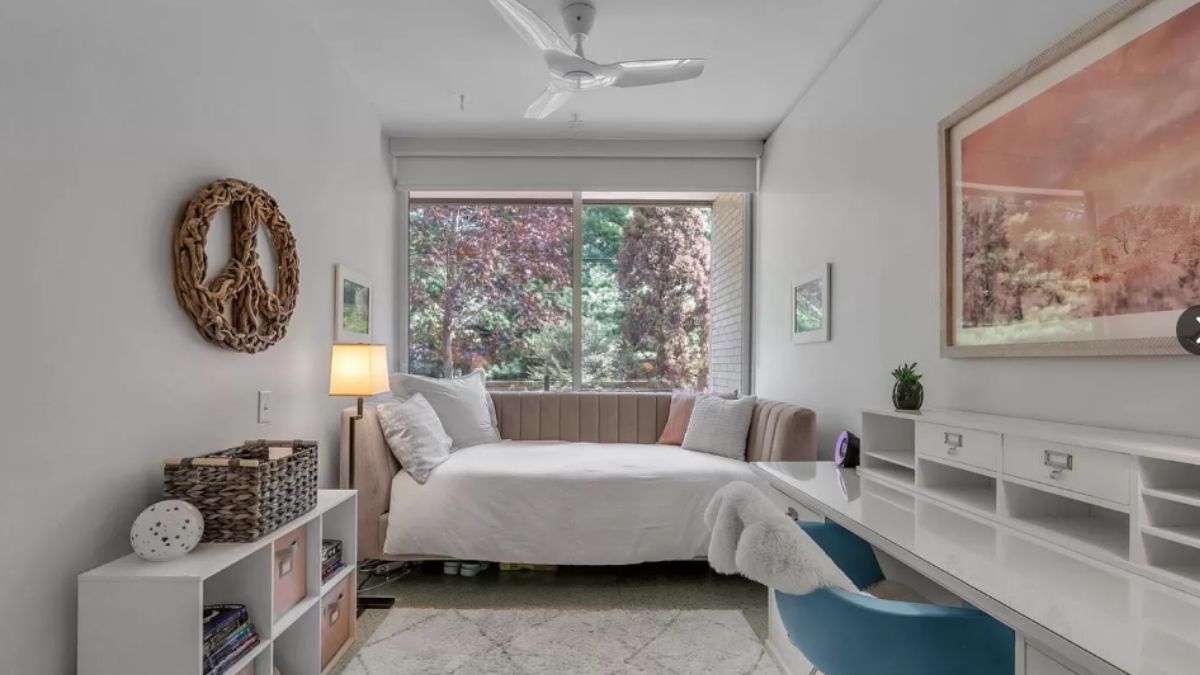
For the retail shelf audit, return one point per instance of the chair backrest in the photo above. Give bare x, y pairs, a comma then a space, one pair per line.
850, 553
846, 633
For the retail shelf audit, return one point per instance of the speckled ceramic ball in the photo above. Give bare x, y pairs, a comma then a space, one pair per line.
166, 530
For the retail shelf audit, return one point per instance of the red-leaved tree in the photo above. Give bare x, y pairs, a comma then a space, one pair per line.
663, 275
484, 278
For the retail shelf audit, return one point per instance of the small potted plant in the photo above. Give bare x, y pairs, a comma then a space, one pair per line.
908, 393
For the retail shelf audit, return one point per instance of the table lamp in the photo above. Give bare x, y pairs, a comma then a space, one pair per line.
359, 370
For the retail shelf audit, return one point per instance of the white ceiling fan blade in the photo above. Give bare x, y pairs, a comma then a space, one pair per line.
530, 26
657, 71
552, 99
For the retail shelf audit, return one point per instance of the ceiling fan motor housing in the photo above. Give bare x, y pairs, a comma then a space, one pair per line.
579, 15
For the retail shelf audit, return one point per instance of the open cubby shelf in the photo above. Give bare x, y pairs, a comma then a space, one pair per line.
1170, 476
892, 474
122, 604
981, 499
1170, 517
898, 457
1104, 530
1167, 555
958, 486
1181, 495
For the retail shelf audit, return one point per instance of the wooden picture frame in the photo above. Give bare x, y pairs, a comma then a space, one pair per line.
1106, 35
813, 284
353, 305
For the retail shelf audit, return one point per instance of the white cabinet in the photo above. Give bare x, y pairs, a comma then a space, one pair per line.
1098, 473
1127, 498
959, 444
144, 618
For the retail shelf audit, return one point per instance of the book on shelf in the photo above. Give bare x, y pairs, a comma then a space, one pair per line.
330, 549
223, 617
234, 651
330, 572
214, 643
331, 558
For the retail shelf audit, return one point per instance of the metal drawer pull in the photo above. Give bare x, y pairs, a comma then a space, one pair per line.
953, 442
1058, 462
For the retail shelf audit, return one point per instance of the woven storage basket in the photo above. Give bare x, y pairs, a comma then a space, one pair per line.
242, 493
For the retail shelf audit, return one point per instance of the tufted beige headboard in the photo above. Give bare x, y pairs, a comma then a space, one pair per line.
779, 432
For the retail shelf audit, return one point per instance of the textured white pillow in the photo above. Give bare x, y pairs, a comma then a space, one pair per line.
719, 426
462, 404
415, 435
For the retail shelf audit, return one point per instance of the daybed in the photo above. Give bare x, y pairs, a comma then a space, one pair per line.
578, 479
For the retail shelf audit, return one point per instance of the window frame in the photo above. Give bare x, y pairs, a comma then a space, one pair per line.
578, 203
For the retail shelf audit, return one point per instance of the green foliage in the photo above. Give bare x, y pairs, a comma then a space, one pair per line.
490, 287
906, 373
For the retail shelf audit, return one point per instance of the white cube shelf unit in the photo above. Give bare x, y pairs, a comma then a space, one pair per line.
1130, 499
145, 618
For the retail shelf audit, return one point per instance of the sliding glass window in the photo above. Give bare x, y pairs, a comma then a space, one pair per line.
492, 285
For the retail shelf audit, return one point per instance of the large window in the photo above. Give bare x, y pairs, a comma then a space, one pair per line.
494, 284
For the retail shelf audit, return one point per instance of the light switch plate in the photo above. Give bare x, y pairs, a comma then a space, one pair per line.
264, 407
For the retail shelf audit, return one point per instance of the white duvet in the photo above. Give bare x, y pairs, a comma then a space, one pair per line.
561, 503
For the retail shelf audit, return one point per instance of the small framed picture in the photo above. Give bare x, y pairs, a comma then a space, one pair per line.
352, 306
810, 306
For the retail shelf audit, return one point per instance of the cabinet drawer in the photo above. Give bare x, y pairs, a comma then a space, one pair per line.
969, 446
794, 509
1098, 473
289, 570
336, 616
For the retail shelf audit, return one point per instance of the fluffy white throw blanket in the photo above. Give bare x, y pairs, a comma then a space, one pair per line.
751, 537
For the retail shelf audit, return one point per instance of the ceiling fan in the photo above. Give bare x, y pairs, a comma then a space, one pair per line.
570, 72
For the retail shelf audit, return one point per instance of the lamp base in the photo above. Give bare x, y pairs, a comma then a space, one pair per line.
370, 601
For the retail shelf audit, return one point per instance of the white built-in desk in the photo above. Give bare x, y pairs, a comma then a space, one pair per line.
1093, 616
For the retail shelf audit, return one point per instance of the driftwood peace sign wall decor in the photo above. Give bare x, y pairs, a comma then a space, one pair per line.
236, 310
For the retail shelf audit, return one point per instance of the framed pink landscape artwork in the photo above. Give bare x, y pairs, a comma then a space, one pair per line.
1071, 194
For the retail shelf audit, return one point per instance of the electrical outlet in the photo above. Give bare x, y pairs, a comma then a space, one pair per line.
264, 407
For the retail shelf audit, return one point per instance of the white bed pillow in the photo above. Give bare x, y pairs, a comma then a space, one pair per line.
720, 426
415, 435
462, 404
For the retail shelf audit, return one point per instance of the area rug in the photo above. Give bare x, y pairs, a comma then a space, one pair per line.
562, 642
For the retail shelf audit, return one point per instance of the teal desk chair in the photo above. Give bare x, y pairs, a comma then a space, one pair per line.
844, 633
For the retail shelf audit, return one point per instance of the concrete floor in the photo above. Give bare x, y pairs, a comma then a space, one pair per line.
674, 585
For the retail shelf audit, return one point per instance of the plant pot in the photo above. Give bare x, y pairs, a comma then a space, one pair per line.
908, 395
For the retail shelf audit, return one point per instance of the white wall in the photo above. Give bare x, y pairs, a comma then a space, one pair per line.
851, 177
112, 114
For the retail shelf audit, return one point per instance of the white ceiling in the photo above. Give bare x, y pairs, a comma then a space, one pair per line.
414, 58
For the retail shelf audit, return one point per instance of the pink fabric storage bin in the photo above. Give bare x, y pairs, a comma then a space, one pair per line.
288, 570
336, 616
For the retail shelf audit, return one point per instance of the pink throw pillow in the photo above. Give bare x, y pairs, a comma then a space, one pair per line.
682, 404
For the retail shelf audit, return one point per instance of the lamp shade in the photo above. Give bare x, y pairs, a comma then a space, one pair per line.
358, 370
